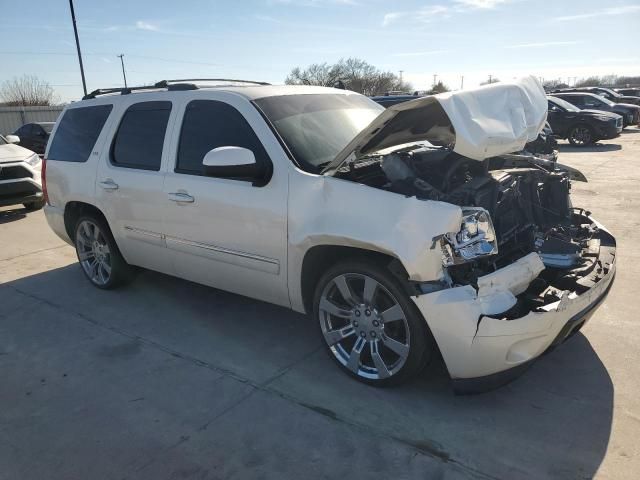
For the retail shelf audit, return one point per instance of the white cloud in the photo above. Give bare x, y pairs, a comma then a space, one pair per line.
541, 44
600, 13
142, 25
422, 15
479, 4
429, 13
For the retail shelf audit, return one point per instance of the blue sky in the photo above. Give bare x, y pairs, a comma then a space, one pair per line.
264, 39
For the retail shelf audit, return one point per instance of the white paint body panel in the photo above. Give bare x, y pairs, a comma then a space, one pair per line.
253, 240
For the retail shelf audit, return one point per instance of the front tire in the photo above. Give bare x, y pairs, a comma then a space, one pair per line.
370, 326
98, 254
581, 136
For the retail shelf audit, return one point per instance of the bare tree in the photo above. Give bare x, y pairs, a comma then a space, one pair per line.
27, 90
352, 73
438, 88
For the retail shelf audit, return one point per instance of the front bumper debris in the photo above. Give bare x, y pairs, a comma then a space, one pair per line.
483, 350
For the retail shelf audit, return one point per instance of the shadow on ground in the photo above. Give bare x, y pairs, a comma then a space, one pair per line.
8, 216
598, 147
554, 422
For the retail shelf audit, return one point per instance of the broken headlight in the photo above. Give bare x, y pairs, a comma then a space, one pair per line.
476, 238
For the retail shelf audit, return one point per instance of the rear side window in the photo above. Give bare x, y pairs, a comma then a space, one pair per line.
78, 132
210, 124
140, 137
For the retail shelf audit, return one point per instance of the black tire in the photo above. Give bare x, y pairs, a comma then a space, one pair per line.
121, 272
581, 135
33, 206
421, 345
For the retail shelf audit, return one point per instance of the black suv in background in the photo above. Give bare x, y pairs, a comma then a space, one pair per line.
34, 136
630, 92
609, 94
581, 127
588, 101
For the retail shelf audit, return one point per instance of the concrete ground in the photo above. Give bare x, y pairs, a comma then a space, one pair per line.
169, 379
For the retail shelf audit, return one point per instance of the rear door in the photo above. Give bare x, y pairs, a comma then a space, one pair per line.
130, 180
226, 233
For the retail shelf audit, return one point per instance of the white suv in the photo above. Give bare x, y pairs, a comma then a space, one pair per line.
402, 231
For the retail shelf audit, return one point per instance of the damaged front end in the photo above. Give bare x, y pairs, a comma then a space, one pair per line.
524, 269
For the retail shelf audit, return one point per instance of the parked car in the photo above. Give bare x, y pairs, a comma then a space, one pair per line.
401, 232
19, 176
581, 127
632, 92
34, 136
588, 101
608, 93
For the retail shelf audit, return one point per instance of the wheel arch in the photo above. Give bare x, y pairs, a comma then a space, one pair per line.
73, 210
319, 258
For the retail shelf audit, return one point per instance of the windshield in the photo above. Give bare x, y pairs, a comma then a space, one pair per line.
598, 98
605, 92
563, 104
3, 141
317, 127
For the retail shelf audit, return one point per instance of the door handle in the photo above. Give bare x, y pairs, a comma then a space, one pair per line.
180, 197
109, 184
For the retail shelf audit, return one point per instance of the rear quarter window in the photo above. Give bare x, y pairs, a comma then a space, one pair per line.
78, 132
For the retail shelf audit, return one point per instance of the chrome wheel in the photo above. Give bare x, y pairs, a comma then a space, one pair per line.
93, 252
364, 326
580, 136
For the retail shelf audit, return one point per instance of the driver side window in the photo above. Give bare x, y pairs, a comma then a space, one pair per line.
210, 124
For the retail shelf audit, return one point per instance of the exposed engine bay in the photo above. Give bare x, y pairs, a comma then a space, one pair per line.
530, 210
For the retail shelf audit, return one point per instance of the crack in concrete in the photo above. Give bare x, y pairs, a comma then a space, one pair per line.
32, 253
423, 447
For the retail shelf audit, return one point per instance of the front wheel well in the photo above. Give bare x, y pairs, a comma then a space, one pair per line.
320, 258
74, 210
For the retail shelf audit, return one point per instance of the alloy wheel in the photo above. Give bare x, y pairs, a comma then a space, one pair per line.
93, 252
581, 136
364, 326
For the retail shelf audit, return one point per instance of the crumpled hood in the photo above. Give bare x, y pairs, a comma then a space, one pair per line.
476, 123
14, 153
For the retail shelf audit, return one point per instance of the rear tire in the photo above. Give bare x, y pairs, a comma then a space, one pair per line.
377, 335
581, 136
33, 206
98, 254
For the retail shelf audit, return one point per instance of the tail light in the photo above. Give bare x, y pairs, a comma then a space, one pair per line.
43, 175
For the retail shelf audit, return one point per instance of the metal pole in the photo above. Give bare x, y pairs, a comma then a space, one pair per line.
123, 74
75, 32
489, 78
434, 79
462, 82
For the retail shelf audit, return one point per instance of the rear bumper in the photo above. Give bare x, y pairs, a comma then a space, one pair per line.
481, 349
55, 219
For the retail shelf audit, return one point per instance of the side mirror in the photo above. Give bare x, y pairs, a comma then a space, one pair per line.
13, 139
236, 163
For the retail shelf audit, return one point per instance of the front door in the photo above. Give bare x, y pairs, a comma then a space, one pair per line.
225, 233
129, 184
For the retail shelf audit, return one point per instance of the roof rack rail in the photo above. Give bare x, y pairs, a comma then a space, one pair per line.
165, 83
128, 90
171, 85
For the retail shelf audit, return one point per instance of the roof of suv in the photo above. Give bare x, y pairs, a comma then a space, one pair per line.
250, 92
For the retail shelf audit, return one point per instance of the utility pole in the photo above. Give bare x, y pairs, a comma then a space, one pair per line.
462, 82
121, 57
401, 72
434, 79
489, 79
75, 32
